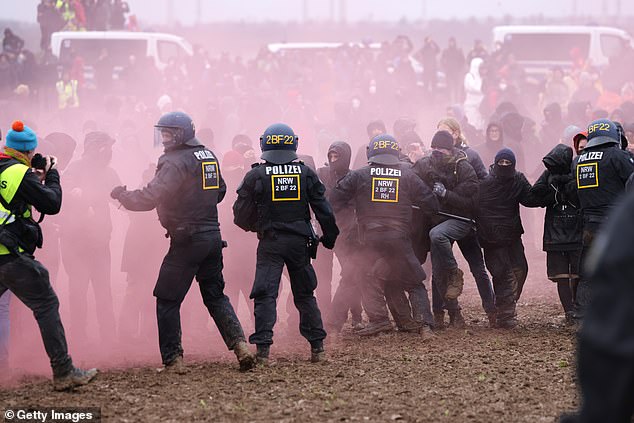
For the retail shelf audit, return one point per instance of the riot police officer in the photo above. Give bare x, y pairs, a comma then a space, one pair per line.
185, 190
382, 195
273, 200
602, 171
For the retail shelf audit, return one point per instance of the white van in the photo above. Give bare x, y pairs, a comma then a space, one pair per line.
539, 48
120, 45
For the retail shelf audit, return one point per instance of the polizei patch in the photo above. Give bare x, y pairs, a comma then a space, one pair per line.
385, 190
285, 188
210, 175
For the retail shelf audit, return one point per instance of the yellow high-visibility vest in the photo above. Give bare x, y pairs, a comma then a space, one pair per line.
67, 94
10, 180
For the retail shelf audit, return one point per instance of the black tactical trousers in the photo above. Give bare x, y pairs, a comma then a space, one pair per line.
394, 270
29, 281
509, 269
200, 256
591, 226
347, 296
275, 251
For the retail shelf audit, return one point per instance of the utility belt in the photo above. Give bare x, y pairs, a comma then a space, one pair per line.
385, 231
312, 240
184, 233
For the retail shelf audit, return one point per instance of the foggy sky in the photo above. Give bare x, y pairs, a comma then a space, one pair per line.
191, 11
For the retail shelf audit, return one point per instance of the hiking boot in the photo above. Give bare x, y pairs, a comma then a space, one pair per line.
439, 320
426, 333
261, 361
176, 366
570, 319
492, 319
507, 323
411, 326
456, 320
376, 328
76, 377
317, 355
262, 355
455, 283
356, 327
245, 357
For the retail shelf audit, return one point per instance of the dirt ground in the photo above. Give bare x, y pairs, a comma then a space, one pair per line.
473, 375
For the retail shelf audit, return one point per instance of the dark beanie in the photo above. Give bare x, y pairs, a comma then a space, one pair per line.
442, 139
505, 153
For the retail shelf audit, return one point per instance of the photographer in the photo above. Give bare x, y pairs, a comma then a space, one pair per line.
21, 189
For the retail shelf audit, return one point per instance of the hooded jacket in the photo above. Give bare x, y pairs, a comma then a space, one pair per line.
332, 173
460, 180
489, 148
498, 219
557, 192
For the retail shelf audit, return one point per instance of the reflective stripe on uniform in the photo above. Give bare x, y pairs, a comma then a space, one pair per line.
10, 180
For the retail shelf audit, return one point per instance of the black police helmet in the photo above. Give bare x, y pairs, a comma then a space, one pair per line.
384, 149
180, 125
278, 144
603, 131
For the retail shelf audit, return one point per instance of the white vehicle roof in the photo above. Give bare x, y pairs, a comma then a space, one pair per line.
276, 47
114, 35
500, 31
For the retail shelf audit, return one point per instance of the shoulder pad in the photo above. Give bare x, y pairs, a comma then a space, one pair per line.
254, 165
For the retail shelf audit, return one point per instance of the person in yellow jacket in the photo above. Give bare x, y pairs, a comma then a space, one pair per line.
26, 183
67, 92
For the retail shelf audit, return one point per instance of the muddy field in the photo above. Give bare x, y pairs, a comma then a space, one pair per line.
473, 375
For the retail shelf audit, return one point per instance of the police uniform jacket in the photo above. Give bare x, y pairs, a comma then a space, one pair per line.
278, 197
383, 197
601, 173
185, 190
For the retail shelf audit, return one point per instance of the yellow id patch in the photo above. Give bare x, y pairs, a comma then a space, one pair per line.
385, 190
587, 175
211, 179
285, 188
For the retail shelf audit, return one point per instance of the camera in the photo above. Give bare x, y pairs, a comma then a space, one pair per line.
38, 162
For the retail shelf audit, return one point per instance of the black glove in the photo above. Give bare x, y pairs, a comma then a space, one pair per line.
118, 191
327, 242
439, 190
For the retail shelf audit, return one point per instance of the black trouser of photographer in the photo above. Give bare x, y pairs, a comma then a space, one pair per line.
28, 280
200, 257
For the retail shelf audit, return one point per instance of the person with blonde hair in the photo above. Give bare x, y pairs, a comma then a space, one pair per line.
452, 126
468, 245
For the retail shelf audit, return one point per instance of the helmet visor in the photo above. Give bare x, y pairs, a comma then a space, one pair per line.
167, 136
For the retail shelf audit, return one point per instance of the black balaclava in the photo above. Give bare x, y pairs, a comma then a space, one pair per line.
504, 172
